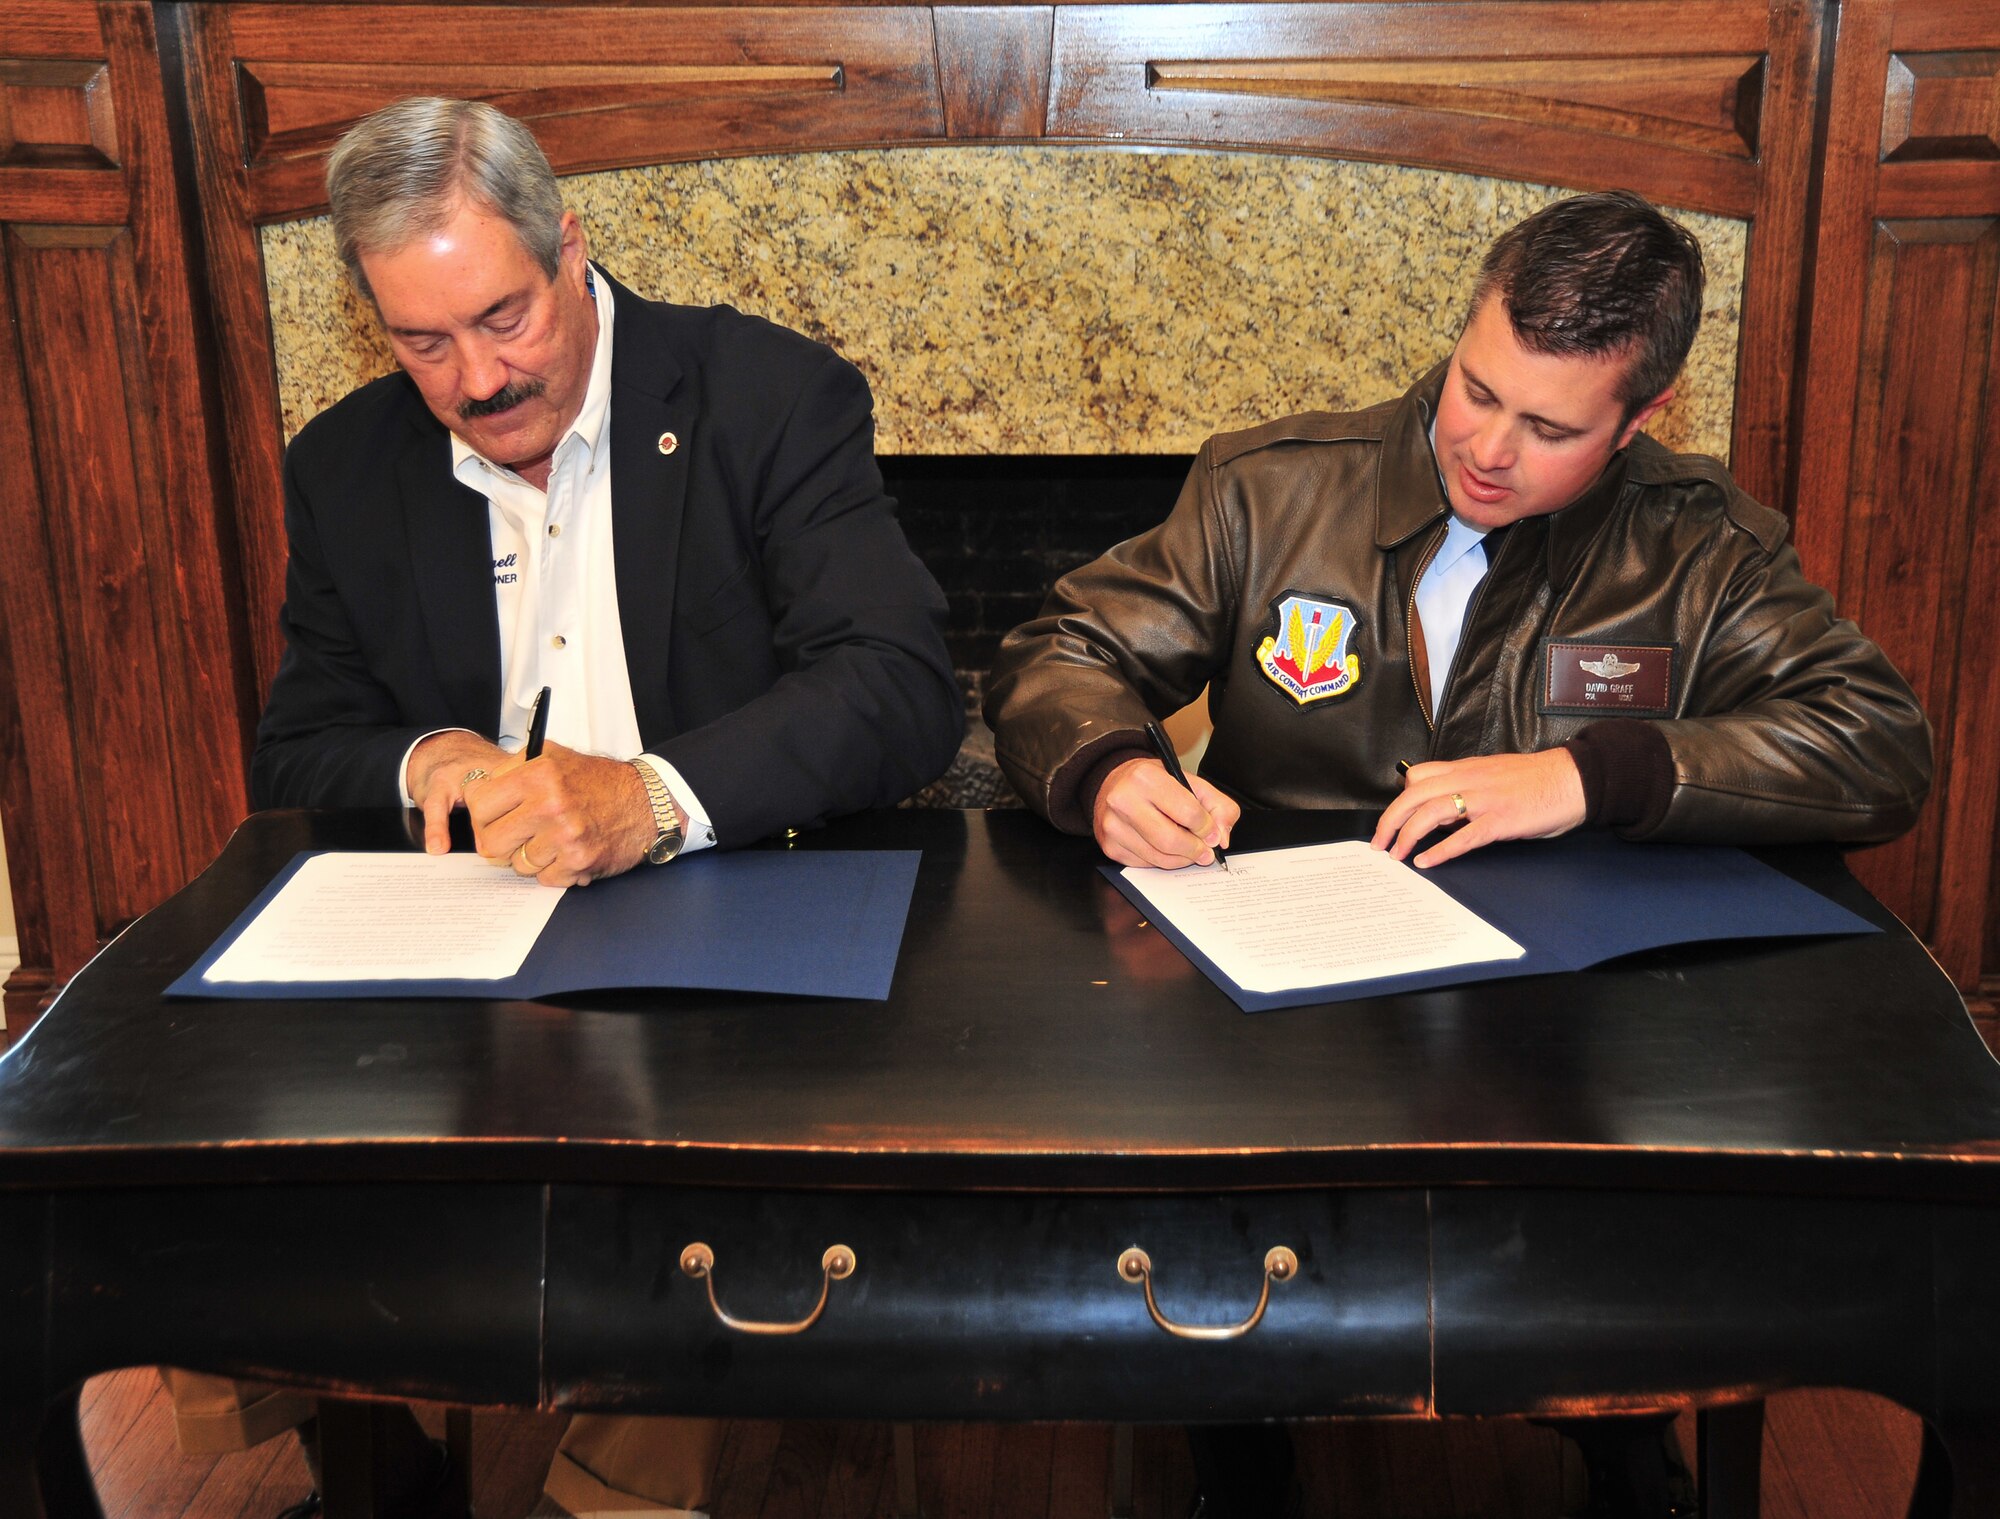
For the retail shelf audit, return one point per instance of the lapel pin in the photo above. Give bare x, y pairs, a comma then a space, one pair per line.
668, 443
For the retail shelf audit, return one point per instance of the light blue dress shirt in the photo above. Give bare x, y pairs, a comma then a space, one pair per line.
1443, 595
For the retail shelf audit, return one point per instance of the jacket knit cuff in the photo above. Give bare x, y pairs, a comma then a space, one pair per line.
1072, 790
1628, 773
1100, 772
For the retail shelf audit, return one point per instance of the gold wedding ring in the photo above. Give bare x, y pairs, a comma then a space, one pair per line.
1458, 805
469, 777
521, 854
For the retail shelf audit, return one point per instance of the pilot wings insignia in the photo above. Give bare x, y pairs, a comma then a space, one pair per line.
1610, 667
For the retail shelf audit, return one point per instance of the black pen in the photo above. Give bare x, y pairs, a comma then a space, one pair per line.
1402, 767
538, 725
1165, 750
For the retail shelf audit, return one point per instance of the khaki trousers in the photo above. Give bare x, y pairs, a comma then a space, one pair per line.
607, 1464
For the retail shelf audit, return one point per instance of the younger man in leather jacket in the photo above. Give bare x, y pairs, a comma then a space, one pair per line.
1498, 578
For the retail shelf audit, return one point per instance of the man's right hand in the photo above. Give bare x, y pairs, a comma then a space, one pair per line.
1144, 816
437, 771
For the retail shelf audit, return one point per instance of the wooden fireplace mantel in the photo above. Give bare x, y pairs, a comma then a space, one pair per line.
142, 145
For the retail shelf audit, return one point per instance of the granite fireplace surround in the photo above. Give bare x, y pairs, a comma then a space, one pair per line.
1050, 332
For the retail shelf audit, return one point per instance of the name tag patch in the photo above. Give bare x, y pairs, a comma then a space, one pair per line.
1631, 679
1308, 658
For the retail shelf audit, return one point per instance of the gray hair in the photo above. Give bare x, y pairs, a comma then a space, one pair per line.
401, 173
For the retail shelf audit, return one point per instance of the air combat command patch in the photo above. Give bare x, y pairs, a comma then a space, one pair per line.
1308, 658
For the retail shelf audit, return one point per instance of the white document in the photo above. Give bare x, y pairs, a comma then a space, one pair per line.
392, 917
1320, 915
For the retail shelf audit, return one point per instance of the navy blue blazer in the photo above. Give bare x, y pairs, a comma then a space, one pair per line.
785, 646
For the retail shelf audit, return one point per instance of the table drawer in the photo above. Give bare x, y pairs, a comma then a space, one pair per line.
987, 1305
427, 1290
1555, 1301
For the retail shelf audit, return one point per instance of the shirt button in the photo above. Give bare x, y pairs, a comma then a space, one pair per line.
555, 530
558, 641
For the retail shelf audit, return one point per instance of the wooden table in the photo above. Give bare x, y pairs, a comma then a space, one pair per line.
1695, 1177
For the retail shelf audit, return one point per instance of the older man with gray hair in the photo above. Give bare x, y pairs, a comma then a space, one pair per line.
669, 517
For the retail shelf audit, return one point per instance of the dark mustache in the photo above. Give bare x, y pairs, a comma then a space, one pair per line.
512, 394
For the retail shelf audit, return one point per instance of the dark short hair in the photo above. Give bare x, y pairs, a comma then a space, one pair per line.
1601, 274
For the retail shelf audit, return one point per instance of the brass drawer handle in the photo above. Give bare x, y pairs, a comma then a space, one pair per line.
1280, 1265
836, 1265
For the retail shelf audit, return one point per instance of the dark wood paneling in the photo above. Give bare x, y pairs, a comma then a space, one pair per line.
298, 110
168, 370
714, 81
95, 459
1571, 94
56, 113
1707, 105
125, 703
1774, 276
245, 373
42, 29
1942, 105
47, 846
92, 196
993, 68
1898, 507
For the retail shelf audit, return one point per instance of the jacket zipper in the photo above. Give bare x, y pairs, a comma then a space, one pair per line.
1410, 624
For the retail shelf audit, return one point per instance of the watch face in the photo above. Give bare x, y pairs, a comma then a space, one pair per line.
664, 848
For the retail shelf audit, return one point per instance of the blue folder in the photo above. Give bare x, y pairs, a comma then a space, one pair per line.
817, 923
1575, 902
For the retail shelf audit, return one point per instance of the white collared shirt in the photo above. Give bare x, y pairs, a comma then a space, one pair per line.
556, 589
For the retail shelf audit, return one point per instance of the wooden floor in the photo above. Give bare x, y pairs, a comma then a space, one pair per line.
1826, 1456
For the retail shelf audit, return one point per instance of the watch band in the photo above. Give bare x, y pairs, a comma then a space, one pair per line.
668, 834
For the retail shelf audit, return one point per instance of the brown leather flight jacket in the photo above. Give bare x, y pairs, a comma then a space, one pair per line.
1783, 721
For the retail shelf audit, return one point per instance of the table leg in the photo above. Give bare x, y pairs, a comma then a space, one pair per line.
456, 1499
44, 1473
67, 1489
20, 1490
1730, 1454
1121, 1471
1958, 1472
347, 1459
904, 1439
1624, 1456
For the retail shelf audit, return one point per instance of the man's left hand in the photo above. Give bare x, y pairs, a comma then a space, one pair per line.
566, 819
1506, 796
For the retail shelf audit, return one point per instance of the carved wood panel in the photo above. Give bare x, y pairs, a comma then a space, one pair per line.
57, 113
1942, 105
124, 709
993, 68
600, 88
1551, 91
100, 477
1899, 484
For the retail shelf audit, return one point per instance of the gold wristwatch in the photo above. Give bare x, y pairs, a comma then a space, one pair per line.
669, 835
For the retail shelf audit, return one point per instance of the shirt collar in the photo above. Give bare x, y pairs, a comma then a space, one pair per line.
592, 417
1460, 536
